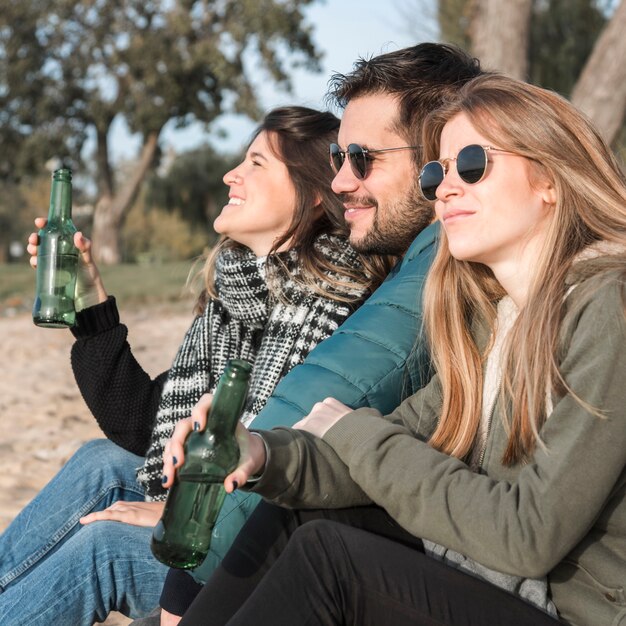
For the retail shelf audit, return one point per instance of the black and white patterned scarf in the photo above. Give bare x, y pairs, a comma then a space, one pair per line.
249, 322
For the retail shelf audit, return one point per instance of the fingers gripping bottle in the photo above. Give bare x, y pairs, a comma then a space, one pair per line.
57, 258
183, 535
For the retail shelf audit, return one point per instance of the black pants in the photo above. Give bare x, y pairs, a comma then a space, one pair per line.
352, 566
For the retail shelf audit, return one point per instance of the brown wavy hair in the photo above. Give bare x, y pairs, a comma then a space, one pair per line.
421, 77
562, 147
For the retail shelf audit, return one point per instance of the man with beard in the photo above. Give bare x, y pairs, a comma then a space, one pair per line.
371, 360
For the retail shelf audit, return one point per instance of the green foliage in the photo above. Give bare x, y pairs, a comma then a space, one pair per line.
69, 67
562, 35
157, 236
193, 186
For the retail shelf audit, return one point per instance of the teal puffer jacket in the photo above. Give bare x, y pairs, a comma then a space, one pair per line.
371, 360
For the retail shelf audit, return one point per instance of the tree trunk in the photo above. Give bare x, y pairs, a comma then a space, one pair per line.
111, 210
601, 89
499, 32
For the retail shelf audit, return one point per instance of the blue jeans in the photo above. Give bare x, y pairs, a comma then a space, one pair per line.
53, 570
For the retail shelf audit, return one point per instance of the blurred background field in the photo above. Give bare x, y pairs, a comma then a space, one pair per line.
134, 285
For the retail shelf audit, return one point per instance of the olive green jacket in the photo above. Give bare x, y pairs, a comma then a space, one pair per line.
562, 515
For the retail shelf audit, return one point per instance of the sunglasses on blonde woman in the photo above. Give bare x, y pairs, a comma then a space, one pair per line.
471, 166
358, 157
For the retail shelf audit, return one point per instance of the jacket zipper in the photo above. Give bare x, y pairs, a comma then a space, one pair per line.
489, 420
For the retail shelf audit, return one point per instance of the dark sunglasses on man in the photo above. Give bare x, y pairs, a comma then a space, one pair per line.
358, 157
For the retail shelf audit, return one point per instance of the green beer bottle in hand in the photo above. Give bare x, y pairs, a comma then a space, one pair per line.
57, 258
183, 535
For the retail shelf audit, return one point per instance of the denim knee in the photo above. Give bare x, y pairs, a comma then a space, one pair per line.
105, 458
97, 450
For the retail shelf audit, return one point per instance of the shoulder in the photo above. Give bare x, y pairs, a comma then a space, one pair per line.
595, 307
424, 244
403, 286
602, 290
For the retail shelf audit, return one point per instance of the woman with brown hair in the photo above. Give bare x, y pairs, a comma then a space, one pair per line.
282, 279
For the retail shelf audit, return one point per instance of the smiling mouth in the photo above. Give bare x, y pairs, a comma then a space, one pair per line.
355, 209
236, 201
354, 213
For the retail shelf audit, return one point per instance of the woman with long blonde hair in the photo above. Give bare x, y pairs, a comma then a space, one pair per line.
496, 494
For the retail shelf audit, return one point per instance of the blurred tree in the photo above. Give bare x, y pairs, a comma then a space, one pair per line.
576, 47
601, 89
193, 186
21, 202
68, 68
173, 217
12, 220
155, 236
575, 25
499, 34
454, 22
598, 87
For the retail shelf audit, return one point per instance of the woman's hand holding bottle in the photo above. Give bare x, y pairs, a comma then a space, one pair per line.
252, 449
89, 286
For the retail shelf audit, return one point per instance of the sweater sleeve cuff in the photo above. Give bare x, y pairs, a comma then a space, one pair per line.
257, 477
96, 319
281, 463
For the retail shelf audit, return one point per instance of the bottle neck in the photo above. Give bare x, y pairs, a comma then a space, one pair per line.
227, 406
60, 201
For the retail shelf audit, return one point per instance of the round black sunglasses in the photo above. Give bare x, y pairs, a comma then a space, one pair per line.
471, 166
358, 157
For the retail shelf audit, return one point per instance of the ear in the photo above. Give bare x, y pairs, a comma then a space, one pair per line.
548, 193
317, 208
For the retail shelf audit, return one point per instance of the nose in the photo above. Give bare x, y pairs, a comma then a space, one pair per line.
345, 181
451, 184
232, 177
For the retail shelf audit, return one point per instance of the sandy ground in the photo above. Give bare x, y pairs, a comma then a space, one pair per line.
43, 418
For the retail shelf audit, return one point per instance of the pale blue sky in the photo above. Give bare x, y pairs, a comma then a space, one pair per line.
344, 30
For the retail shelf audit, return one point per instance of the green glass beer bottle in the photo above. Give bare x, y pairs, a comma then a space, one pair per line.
57, 258
182, 537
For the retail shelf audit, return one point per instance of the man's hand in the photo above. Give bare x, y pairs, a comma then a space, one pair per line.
323, 415
135, 513
89, 286
252, 450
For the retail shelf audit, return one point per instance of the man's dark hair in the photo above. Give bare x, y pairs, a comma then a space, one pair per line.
422, 77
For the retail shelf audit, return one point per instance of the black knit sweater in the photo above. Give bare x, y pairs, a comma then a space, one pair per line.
120, 394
